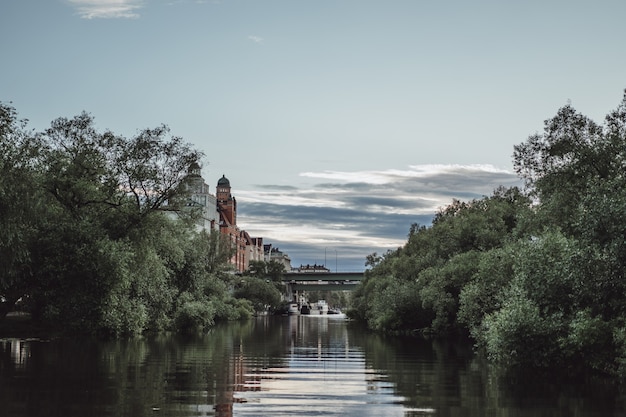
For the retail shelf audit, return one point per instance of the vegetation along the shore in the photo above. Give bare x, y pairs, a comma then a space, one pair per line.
88, 240
536, 276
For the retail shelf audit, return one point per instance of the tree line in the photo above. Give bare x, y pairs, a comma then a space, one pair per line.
88, 242
535, 275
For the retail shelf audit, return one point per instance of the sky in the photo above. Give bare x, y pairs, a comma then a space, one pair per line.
338, 123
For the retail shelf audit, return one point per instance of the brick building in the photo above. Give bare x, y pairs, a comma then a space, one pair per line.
219, 213
246, 248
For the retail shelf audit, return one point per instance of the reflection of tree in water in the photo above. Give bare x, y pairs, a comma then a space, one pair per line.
420, 370
179, 373
445, 376
135, 377
206, 374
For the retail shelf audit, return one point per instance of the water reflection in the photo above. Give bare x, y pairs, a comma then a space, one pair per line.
278, 366
322, 373
19, 351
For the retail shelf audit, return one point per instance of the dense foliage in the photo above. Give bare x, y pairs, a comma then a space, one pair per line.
262, 285
537, 277
95, 236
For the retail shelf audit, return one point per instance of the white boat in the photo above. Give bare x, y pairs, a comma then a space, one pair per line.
293, 309
322, 307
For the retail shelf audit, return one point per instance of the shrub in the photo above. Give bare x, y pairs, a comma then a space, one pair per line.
193, 314
517, 335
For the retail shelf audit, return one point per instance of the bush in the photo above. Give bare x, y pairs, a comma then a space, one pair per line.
517, 335
124, 316
480, 296
260, 292
589, 340
193, 314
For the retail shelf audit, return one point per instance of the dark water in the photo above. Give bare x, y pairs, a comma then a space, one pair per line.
278, 366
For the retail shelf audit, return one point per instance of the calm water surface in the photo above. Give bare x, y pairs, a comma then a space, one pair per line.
278, 366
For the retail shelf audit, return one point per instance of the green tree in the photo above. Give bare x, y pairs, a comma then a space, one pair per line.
22, 207
441, 287
272, 270
262, 293
572, 160
433, 267
86, 238
262, 284
115, 263
536, 285
518, 334
480, 296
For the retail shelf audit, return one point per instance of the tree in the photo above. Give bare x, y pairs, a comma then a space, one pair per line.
262, 293
419, 285
262, 284
536, 285
480, 296
86, 238
152, 169
22, 209
572, 157
565, 303
272, 270
93, 173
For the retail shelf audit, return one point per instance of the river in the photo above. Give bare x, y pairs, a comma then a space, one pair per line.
278, 366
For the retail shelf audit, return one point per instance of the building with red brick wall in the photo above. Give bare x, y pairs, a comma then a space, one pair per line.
246, 248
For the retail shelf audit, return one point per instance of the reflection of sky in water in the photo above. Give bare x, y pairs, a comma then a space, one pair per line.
323, 375
277, 366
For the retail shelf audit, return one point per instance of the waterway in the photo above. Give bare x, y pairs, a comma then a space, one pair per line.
279, 366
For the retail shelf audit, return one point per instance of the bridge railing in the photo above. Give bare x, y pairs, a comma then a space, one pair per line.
323, 276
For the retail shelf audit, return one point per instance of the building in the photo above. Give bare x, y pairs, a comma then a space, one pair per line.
254, 249
219, 213
311, 269
227, 210
201, 199
246, 247
274, 254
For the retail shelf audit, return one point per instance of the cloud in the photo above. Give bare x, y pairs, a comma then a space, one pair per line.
107, 9
255, 39
358, 213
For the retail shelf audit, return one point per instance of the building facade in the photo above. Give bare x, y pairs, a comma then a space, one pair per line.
274, 254
201, 199
219, 213
247, 248
311, 269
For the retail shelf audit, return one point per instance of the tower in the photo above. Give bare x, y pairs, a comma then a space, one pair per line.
226, 203
200, 198
227, 209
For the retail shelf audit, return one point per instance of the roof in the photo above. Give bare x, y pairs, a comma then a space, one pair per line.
223, 182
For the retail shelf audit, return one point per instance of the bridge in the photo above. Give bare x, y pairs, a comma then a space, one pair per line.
321, 281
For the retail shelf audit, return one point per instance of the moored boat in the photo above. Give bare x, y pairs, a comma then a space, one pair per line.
293, 309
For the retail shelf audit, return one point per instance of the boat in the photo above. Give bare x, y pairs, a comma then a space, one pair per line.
306, 309
322, 307
293, 309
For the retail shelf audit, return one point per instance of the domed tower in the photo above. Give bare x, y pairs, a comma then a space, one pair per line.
200, 198
194, 179
226, 203
194, 169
